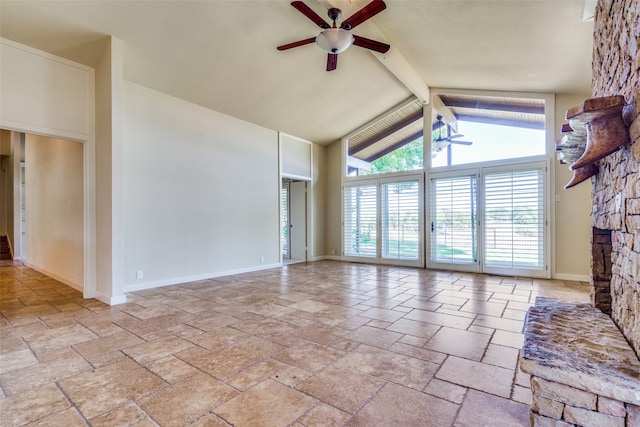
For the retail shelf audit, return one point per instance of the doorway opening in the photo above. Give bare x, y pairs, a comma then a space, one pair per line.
293, 221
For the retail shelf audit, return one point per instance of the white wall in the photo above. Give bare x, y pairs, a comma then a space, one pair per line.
54, 208
200, 191
573, 210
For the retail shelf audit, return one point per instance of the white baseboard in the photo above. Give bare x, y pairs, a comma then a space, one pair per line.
187, 279
74, 285
574, 277
120, 299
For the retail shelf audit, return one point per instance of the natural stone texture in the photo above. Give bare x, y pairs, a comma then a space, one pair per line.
616, 188
542, 421
563, 393
573, 343
633, 415
584, 417
547, 407
611, 406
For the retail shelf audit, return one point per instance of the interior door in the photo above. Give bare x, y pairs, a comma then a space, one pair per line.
298, 220
285, 225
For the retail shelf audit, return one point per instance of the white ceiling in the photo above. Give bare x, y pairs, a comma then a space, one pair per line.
222, 54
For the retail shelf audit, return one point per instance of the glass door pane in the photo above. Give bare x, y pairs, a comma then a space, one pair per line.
360, 220
284, 221
400, 228
514, 219
453, 220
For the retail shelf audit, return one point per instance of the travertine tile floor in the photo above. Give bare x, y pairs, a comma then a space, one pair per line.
316, 344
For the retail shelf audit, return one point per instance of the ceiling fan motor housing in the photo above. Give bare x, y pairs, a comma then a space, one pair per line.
334, 40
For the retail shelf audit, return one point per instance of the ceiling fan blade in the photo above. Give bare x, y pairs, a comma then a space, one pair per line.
370, 10
309, 13
458, 135
370, 44
332, 61
296, 44
462, 142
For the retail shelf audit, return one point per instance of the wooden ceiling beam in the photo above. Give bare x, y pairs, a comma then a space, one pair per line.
382, 135
494, 106
502, 122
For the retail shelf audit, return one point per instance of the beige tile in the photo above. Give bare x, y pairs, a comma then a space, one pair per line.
485, 410
508, 339
256, 373
418, 353
59, 337
309, 356
32, 405
16, 360
66, 418
310, 306
154, 350
479, 376
230, 360
292, 376
521, 394
374, 336
187, 400
342, 387
325, 415
321, 334
222, 337
395, 406
382, 314
401, 369
439, 319
470, 345
209, 421
446, 390
498, 323
171, 369
125, 415
106, 350
49, 371
270, 403
414, 328
109, 387
498, 355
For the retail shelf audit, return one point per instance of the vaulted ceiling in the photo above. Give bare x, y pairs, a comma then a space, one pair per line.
222, 54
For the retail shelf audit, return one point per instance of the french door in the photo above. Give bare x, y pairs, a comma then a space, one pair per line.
382, 220
491, 220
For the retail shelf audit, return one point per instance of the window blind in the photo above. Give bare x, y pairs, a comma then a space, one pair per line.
453, 219
400, 231
514, 219
360, 220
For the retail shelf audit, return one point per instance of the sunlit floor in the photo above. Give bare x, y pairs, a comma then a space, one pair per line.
312, 344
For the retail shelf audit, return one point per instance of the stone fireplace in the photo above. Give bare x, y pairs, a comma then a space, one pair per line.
583, 358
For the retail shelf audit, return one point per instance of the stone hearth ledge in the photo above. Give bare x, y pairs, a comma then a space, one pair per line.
578, 345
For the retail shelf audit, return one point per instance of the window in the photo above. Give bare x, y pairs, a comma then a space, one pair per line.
383, 220
392, 143
474, 129
514, 219
400, 220
360, 220
453, 219
490, 219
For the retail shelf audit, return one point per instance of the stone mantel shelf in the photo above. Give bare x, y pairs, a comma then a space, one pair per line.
578, 345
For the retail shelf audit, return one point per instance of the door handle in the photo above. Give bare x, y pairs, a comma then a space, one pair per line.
432, 228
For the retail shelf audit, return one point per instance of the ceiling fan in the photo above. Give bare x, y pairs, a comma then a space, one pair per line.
442, 142
334, 39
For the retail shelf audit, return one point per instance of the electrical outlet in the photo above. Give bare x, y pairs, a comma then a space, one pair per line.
261, 259
333, 251
139, 274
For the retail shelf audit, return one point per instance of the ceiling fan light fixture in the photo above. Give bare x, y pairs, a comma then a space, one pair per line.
334, 40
